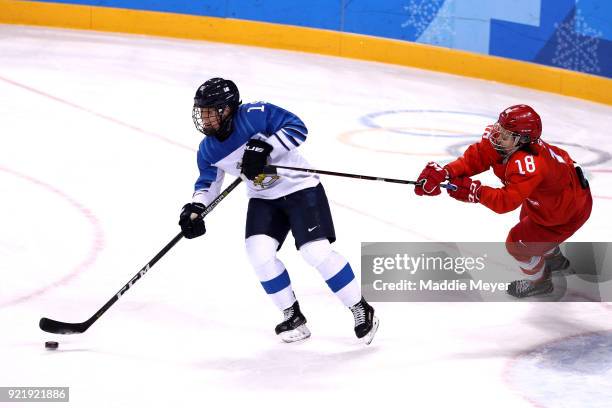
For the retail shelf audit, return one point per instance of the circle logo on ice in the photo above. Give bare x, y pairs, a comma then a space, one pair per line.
566, 372
418, 122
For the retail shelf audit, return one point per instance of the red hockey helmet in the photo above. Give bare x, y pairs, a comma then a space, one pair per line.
522, 120
517, 126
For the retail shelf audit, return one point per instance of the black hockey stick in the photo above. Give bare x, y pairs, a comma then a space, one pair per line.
271, 169
53, 326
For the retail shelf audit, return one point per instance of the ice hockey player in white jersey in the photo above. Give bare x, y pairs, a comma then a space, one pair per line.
241, 139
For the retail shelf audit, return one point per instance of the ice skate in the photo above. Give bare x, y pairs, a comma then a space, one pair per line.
525, 288
366, 324
293, 328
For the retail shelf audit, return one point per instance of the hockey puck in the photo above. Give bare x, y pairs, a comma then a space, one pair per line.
51, 345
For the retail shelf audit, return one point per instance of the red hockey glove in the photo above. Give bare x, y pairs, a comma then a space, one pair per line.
468, 190
430, 178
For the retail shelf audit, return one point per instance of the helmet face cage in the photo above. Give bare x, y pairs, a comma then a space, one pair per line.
214, 104
208, 120
517, 126
499, 138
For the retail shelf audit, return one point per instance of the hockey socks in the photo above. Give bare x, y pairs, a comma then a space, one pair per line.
334, 269
270, 271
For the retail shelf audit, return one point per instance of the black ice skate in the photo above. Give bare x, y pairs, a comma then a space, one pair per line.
557, 262
524, 287
366, 323
293, 328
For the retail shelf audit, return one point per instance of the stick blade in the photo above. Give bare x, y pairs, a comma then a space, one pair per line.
53, 326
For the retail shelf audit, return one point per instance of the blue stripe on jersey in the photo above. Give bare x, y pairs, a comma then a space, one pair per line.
341, 279
298, 134
277, 284
291, 139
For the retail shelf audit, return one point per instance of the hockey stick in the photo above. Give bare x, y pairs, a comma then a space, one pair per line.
54, 326
272, 169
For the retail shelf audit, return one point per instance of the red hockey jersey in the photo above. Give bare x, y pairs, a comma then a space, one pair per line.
544, 181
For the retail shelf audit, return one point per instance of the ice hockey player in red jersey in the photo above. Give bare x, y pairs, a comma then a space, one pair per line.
553, 194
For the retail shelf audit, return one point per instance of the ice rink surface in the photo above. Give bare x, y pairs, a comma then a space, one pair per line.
97, 156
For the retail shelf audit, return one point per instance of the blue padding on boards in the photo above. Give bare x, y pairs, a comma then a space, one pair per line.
341, 279
277, 284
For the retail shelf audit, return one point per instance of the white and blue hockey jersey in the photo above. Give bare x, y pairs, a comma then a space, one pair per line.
278, 127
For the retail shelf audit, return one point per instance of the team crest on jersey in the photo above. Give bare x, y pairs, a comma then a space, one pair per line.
265, 180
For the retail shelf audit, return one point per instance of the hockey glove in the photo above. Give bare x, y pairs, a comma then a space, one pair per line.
191, 221
430, 178
255, 158
468, 190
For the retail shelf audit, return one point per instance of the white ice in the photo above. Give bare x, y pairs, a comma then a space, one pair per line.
97, 156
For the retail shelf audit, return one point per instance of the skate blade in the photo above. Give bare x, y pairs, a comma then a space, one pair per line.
297, 334
367, 339
536, 296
